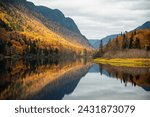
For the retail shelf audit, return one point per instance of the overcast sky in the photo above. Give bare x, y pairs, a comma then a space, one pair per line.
99, 18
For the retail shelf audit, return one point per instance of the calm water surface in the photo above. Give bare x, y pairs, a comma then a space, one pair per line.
95, 85
71, 80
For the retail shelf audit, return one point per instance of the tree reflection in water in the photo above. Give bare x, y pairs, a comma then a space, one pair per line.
135, 75
40, 79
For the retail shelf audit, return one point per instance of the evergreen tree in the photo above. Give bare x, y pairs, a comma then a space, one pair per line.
101, 46
137, 43
135, 32
131, 43
117, 44
124, 42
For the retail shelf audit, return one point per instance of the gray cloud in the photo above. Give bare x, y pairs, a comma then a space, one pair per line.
99, 18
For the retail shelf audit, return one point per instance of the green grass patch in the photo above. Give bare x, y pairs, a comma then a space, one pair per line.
141, 62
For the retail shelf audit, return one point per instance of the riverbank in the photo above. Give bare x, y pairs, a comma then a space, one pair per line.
127, 62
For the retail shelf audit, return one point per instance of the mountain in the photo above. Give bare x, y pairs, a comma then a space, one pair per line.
26, 28
58, 17
139, 38
96, 42
132, 44
146, 25
106, 39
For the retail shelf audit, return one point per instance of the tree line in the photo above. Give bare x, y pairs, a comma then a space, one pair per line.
35, 47
124, 41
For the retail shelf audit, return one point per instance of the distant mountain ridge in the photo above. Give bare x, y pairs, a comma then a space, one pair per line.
96, 42
146, 25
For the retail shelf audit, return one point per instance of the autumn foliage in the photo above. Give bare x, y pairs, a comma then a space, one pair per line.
23, 33
134, 44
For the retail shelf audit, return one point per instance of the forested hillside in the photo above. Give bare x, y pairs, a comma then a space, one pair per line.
25, 30
133, 44
137, 39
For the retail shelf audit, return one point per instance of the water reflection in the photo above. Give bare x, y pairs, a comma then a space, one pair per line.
40, 79
135, 75
113, 83
59, 79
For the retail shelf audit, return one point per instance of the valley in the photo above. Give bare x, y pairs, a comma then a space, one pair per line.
54, 53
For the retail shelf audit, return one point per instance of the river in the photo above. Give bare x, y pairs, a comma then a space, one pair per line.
72, 80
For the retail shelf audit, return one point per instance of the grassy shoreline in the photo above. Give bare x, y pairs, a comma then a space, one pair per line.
126, 62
